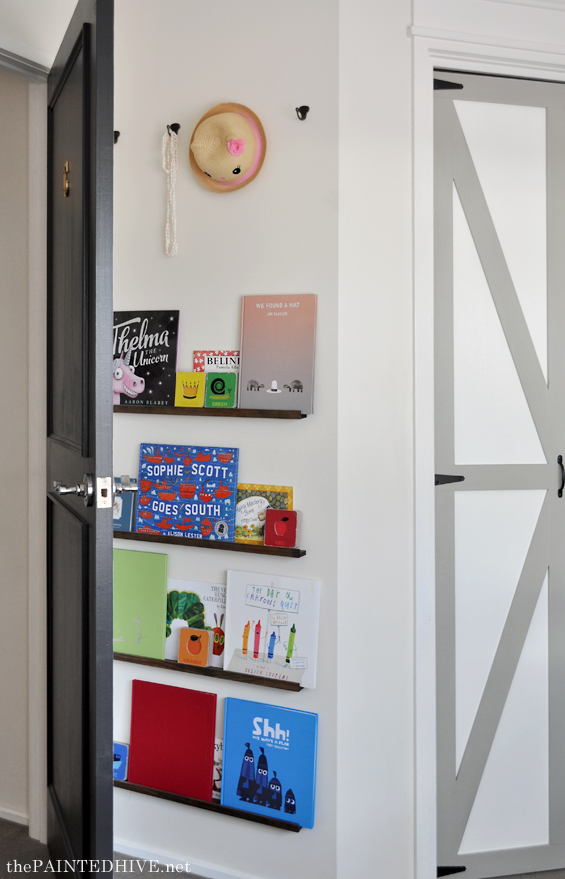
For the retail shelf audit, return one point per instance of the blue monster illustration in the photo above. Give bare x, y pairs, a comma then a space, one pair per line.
289, 802
274, 795
262, 780
246, 785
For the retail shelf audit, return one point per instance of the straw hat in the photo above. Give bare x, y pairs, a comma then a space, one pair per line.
227, 148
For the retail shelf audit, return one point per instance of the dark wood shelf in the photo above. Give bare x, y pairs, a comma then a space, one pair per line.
172, 665
293, 414
210, 544
210, 807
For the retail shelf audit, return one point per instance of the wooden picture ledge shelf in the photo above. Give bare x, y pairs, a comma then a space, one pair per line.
211, 544
172, 665
293, 414
211, 807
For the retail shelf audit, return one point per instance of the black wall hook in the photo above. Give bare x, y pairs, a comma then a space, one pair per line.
116, 136
174, 127
302, 112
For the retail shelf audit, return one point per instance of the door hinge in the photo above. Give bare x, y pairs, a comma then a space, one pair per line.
443, 479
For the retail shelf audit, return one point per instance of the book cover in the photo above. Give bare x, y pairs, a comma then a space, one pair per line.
200, 605
140, 602
272, 626
187, 491
218, 765
221, 388
269, 765
252, 502
278, 340
121, 755
282, 528
190, 389
145, 357
195, 647
123, 508
172, 739
215, 361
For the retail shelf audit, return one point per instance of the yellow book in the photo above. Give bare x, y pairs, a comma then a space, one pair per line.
190, 389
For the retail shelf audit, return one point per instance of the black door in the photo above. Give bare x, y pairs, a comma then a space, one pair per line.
79, 529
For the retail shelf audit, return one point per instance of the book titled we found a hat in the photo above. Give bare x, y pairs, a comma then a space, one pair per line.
278, 340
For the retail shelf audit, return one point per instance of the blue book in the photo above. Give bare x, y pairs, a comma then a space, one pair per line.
187, 491
121, 754
123, 509
270, 760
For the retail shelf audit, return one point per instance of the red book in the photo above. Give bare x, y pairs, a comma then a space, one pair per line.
172, 739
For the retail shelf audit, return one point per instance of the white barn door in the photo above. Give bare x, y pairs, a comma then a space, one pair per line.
500, 423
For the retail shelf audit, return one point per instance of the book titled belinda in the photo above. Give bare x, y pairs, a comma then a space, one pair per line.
278, 340
145, 357
269, 764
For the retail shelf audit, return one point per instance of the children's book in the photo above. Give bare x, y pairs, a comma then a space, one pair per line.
187, 491
252, 502
272, 626
215, 361
140, 602
145, 357
221, 388
123, 508
199, 605
218, 765
195, 647
278, 340
190, 389
172, 739
121, 754
269, 765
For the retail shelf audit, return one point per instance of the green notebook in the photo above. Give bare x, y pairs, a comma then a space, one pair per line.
140, 602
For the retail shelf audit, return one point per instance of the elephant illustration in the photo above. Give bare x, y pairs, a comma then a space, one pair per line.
253, 385
295, 386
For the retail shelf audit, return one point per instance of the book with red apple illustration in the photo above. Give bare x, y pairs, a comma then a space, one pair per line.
271, 627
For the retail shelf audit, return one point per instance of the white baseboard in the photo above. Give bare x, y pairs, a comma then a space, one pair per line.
197, 868
13, 815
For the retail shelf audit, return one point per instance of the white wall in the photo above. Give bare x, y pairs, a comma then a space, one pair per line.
375, 472
14, 446
174, 60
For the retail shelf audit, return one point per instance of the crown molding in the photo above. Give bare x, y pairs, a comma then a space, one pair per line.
22, 67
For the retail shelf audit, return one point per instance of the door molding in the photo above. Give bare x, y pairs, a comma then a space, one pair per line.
470, 53
37, 358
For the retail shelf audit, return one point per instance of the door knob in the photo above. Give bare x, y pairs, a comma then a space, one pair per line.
126, 484
84, 490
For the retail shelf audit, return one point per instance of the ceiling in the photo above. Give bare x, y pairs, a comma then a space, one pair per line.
34, 29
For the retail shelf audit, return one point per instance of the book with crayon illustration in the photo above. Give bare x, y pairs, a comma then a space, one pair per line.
197, 605
272, 626
187, 491
269, 764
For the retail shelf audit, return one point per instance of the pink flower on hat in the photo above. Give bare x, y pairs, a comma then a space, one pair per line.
236, 147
